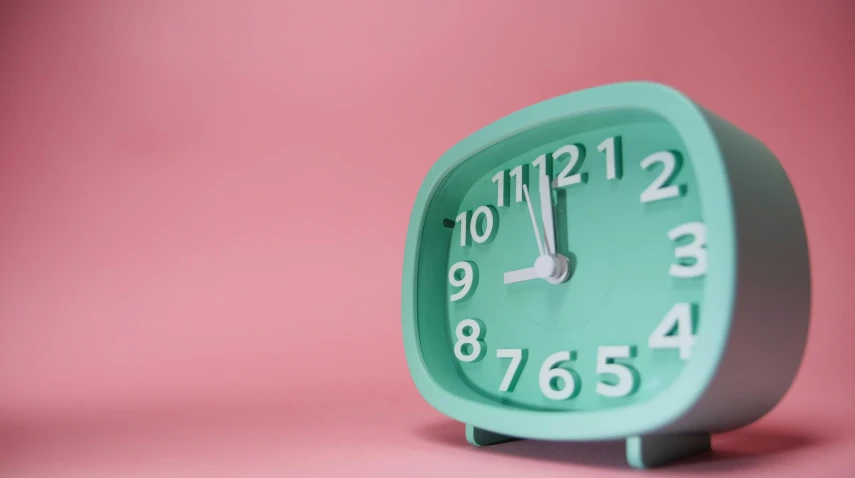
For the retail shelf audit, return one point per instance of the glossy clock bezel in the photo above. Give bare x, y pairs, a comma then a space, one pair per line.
719, 284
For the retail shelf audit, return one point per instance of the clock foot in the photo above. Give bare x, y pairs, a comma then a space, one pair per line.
654, 450
480, 437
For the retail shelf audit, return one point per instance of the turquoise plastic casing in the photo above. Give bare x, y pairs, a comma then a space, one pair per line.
756, 303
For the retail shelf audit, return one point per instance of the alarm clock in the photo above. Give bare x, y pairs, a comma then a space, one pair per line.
614, 263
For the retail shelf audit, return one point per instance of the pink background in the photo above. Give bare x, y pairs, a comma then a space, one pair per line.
203, 207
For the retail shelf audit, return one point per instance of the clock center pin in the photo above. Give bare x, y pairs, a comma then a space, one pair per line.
554, 269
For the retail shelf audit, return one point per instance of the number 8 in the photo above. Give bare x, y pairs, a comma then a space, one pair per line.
477, 347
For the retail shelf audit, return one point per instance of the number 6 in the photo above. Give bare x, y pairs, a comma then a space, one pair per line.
548, 374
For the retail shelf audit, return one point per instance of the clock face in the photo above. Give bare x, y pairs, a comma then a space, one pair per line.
574, 266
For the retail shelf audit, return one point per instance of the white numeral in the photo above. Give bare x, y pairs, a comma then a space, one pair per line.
548, 374
499, 178
612, 148
625, 379
462, 220
512, 374
485, 218
520, 176
543, 165
658, 189
488, 213
466, 279
695, 250
577, 156
678, 319
472, 339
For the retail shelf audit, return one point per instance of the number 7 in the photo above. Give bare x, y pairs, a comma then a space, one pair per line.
512, 374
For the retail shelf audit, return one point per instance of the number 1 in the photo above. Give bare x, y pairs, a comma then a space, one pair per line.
520, 174
544, 164
614, 161
499, 178
462, 218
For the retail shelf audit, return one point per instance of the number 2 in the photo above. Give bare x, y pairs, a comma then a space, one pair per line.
570, 175
661, 187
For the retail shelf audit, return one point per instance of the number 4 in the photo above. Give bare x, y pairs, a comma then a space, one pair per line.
678, 320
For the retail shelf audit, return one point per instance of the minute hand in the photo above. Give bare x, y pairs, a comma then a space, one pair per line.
546, 214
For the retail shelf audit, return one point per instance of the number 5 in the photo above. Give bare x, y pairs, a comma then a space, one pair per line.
605, 365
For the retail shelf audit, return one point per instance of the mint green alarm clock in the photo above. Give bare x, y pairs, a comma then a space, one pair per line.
613, 263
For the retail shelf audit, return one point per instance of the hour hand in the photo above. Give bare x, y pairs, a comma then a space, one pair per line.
546, 214
521, 275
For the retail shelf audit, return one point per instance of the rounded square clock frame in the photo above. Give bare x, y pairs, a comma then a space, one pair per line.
756, 288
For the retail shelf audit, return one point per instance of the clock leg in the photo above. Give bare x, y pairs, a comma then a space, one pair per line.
654, 450
480, 437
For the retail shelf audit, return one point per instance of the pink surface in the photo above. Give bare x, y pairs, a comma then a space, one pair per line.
203, 207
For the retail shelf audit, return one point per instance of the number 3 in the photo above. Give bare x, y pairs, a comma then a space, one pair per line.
695, 250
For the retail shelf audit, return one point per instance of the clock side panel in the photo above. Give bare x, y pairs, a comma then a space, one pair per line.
770, 318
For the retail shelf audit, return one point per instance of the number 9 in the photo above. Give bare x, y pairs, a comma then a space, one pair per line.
465, 275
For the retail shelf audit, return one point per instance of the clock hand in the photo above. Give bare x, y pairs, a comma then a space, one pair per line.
533, 220
521, 275
546, 214
552, 267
